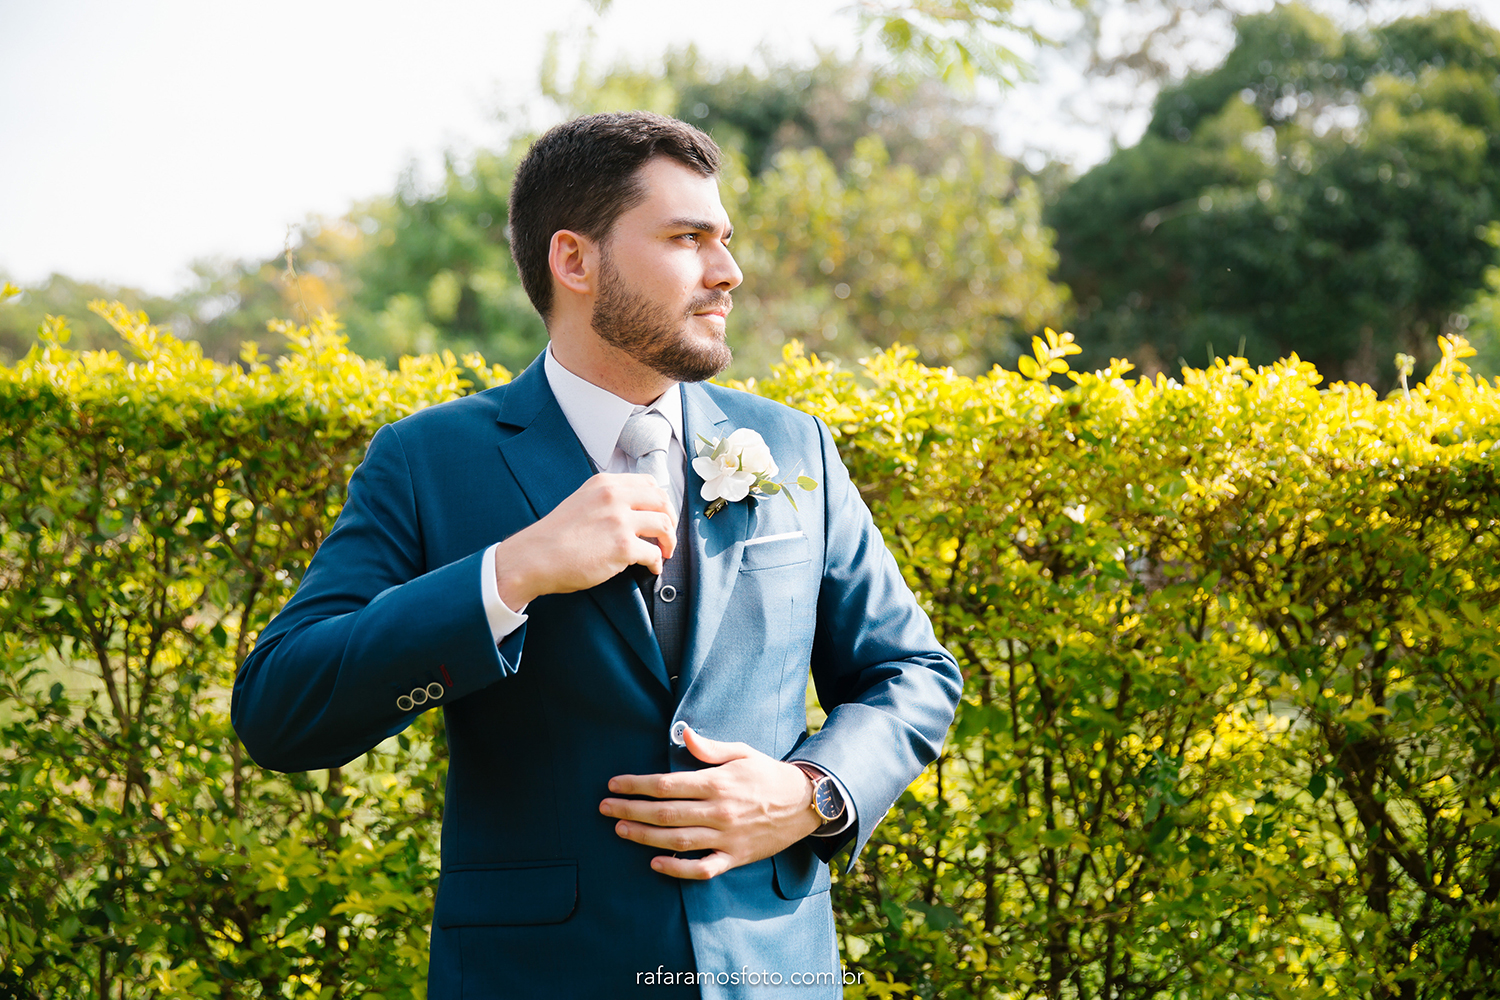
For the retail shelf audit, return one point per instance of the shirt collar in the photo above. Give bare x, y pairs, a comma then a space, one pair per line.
597, 415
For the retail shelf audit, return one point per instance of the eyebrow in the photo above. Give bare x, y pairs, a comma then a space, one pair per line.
701, 226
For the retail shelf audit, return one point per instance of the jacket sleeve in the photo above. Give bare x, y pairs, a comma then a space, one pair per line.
370, 639
888, 685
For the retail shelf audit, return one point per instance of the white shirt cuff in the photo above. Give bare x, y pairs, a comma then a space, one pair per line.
503, 621
848, 817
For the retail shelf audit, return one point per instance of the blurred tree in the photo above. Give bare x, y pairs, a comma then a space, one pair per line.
421, 269
435, 270
1126, 51
878, 210
953, 262
236, 301
870, 208
1480, 320
956, 41
229, 303
760, 111
23, 315
1321, 192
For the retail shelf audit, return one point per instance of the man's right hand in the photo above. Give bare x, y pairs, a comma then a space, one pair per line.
613, 521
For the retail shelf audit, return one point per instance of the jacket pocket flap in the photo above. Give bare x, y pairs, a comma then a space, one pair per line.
797, 872
507, 895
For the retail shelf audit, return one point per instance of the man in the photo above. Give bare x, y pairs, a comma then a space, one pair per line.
622, 674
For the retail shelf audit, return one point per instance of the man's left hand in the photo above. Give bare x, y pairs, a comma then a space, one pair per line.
746, 807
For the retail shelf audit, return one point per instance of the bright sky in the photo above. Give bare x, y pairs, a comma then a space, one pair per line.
139, 135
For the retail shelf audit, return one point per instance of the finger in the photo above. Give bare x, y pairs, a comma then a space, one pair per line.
712, 751
656, 495
669, 838
675, 785
641, 492
705, 867
657, 528
625, 490
668, 812
642, 552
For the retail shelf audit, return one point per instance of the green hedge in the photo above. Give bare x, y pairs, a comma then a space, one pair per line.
1230, 727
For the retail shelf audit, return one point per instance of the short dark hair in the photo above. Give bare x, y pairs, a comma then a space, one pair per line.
582, 175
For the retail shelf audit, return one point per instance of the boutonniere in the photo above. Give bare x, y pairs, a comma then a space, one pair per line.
738, 465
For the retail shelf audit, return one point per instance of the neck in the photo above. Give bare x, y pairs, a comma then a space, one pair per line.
608, 367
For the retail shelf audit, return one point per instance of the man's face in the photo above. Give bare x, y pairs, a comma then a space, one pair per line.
665, 273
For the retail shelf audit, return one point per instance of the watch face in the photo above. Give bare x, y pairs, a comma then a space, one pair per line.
826, 797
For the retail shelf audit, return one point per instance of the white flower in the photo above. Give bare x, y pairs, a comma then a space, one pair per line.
754, 454
722, 478
736, 466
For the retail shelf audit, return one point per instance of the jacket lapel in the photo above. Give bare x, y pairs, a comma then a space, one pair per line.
717, 543
549, 465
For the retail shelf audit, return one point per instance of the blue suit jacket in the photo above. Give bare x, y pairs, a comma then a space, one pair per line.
538, 896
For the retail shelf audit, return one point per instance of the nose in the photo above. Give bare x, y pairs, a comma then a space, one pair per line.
722, 272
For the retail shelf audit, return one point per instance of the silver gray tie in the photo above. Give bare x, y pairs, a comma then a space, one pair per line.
645, 439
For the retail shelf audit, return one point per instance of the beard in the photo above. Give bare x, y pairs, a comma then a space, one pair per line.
652, 334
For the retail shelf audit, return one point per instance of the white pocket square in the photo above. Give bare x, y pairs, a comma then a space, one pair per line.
774, 538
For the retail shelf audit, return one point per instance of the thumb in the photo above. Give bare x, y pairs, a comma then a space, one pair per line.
712, 751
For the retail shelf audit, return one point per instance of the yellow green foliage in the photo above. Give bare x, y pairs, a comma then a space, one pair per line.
157, 510
1230, 727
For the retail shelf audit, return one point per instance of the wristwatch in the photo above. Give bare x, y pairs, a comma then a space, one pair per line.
827, 801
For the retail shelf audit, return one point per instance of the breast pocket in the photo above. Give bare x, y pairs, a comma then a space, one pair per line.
773, 552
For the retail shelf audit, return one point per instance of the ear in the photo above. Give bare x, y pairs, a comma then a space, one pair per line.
572, 258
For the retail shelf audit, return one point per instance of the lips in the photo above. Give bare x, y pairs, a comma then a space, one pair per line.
715, 305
